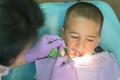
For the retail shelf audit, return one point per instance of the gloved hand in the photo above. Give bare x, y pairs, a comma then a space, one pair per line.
64, 70
44, 46
4, 70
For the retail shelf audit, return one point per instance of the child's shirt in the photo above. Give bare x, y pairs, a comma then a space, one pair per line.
101, 66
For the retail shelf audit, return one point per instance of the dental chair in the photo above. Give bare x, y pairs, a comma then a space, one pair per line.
54, 17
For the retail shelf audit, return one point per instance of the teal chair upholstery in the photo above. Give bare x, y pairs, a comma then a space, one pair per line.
54, 17
25, 72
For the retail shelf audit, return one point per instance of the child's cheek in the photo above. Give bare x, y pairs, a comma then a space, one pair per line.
90, 49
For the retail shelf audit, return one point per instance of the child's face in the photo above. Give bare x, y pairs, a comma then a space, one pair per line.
81, 35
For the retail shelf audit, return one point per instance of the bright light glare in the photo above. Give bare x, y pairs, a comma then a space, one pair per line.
84, 60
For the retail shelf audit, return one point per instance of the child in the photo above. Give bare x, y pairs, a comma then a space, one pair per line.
81, 32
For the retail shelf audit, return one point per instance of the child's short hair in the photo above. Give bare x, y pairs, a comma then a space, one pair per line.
85, 10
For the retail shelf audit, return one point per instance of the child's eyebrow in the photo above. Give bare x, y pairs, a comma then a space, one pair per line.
74, 33
91, 36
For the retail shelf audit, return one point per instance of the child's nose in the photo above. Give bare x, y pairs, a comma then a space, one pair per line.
80, 45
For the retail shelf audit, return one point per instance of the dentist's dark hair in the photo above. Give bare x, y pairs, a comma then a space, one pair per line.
19, 21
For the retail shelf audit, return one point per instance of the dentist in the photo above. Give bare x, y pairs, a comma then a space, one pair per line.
19, 23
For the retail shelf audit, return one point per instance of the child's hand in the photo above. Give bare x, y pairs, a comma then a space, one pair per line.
44, 46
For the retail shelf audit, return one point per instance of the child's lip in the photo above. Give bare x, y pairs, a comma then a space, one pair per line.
82, 54
79, 54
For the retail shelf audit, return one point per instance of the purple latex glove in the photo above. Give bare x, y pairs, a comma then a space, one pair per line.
64, 71
44, 46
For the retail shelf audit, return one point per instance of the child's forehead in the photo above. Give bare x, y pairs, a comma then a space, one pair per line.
79, 19
83, 24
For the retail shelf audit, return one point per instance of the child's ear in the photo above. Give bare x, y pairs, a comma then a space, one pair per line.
63, 33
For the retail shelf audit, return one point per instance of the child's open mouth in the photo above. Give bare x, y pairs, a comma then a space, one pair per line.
79, 54
75, 53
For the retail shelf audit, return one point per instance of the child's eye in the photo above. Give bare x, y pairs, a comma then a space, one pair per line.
74, 37
90, 40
